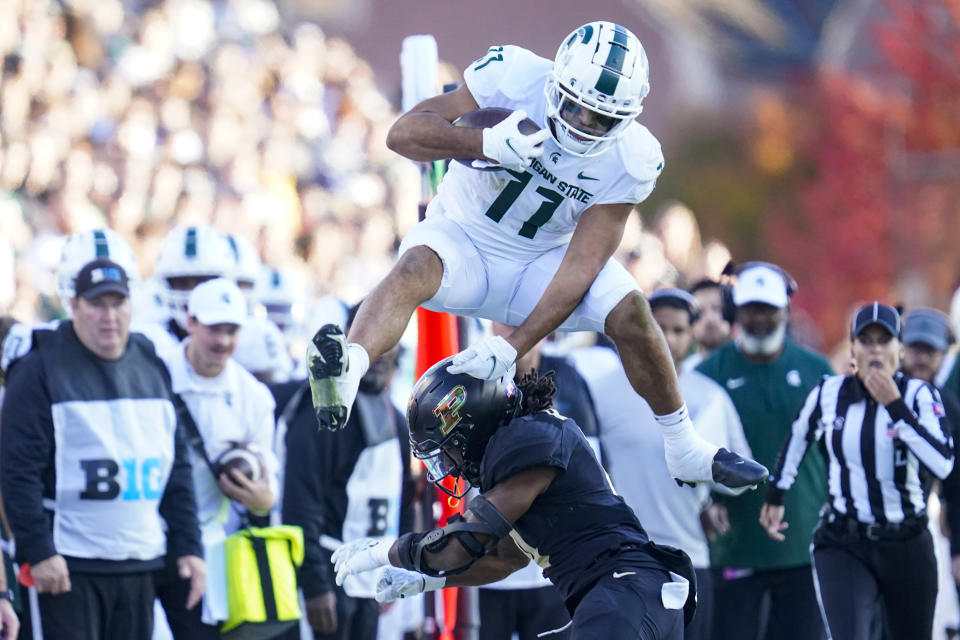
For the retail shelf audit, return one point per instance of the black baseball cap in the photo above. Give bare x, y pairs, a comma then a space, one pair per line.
99, 277
927, 326
877, 313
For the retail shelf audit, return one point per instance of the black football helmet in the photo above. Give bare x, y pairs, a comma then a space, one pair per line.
457, 412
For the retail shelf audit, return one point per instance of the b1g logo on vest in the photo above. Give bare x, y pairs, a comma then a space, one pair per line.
139, 480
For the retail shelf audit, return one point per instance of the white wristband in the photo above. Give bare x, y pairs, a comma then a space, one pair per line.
675, 417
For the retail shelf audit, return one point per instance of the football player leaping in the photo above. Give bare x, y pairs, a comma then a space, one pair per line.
530, 245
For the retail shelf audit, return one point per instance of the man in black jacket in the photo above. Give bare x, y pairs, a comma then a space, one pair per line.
92, 463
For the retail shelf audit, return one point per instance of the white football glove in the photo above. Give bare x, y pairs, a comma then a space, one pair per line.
394, 583
508, 148
362, 554
488, 359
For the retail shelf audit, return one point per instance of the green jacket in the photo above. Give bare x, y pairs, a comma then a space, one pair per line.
768, 398
952, 383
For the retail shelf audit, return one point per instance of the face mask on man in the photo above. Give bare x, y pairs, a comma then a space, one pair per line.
763, 345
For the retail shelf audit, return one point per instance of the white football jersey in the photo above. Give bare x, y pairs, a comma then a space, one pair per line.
519, 215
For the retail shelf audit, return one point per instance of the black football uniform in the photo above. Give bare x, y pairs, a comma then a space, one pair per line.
587, 540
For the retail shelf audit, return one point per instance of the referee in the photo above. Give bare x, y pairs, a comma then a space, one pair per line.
883, 434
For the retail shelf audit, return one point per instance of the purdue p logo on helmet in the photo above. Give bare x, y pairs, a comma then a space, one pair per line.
459, 412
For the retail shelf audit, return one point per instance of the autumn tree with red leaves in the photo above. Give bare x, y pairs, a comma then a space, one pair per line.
880, 218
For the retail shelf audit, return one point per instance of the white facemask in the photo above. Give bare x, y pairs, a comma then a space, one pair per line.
766, 345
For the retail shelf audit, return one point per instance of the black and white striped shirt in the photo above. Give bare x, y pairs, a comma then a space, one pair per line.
878, 457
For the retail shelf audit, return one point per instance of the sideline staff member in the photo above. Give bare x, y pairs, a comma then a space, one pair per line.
91, 460
882, 432
228, 405
767, 376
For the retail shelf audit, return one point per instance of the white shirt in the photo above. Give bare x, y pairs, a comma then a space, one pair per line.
691, 361
233, 407
633, 444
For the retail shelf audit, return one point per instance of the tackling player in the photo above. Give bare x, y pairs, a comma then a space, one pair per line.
530, 245
542, 491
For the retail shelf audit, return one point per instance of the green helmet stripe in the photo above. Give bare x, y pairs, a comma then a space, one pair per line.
607, 82
190, 250
587, 33
100, 245
617, 54
234, 247
613, 67
620, 35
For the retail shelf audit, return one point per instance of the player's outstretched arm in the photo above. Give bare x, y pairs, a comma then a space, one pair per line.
394, 583
595, 239
426, 133
496, 565
512, 498
444, 551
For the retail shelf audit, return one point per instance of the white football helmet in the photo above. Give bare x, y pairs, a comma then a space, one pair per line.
262, 350
601, 68
150, 303
282, 299
247, 266
189, 256
87, 246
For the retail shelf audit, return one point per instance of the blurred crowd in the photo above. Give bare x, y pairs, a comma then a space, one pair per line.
142, 115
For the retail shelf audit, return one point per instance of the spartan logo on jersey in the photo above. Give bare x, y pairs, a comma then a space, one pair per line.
448, 409
793, 378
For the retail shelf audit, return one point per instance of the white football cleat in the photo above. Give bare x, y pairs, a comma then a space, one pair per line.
691, 459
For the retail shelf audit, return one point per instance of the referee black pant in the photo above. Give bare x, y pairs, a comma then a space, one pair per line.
100, 607
857, 576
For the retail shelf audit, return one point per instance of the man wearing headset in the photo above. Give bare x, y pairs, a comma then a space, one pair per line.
768, 377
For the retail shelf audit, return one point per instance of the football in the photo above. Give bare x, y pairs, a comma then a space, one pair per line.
240, 456
486, 118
